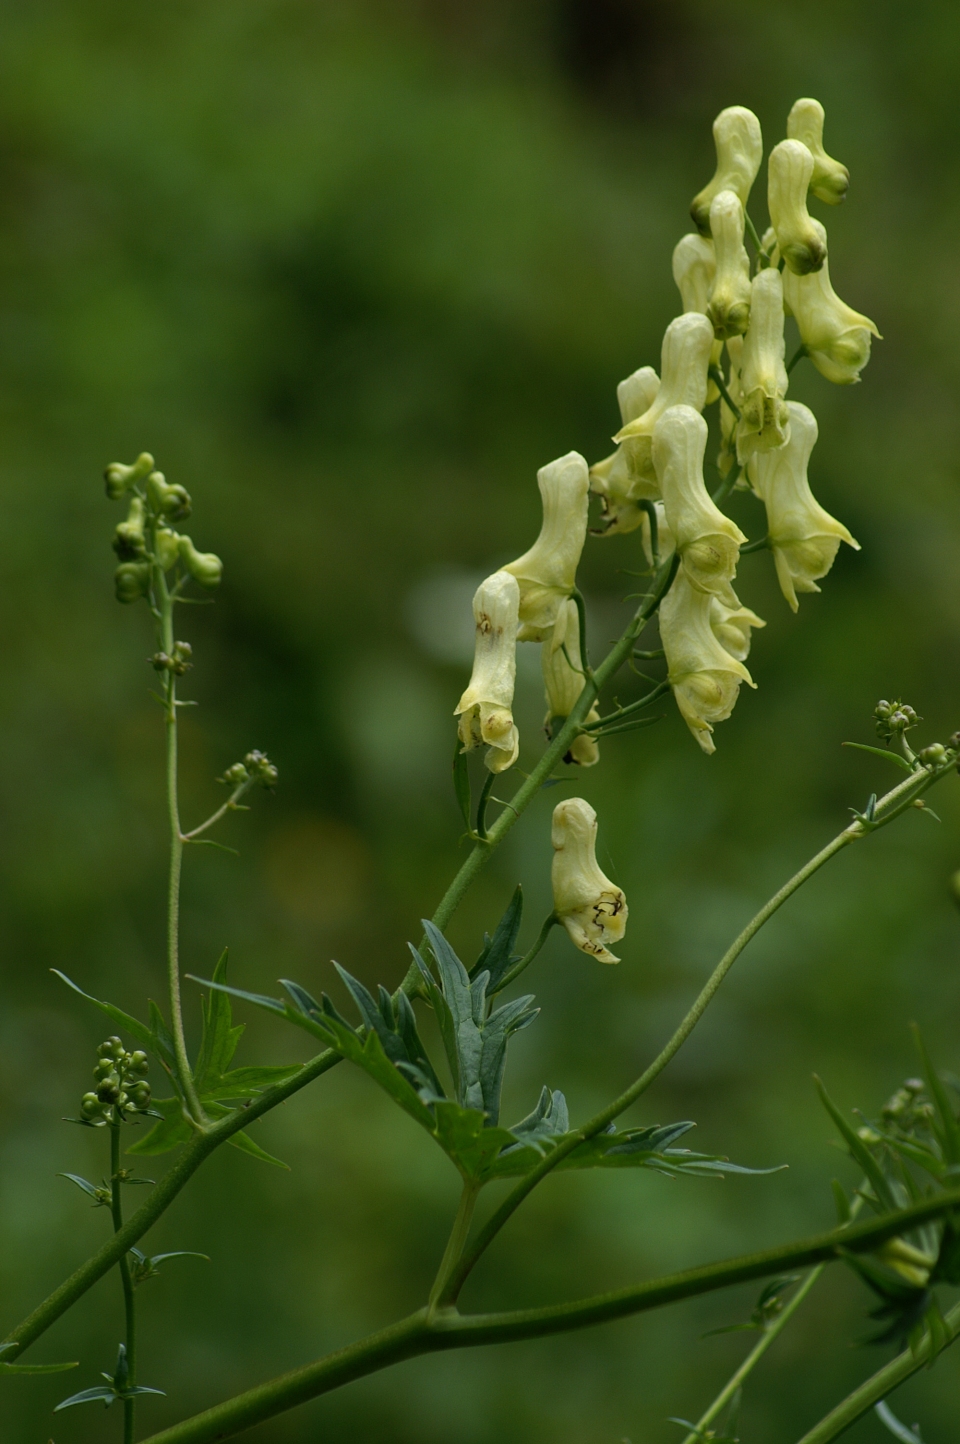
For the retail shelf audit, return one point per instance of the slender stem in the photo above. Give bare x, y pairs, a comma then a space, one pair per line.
129, 1301
890, 806
442, 1329
184, 1071
650, 507
482, 804
527, 959
798, 355
727, 485
630, 710
582, 628
754, 235
882, 1383
458, 1237
228, 806
716, 376
755, 546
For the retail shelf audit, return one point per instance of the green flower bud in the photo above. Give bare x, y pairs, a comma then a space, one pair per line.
739, 143
235, 775
205, 567
259, 765
131, 581
170, 501
90, 1105
182, 652
830, 179
120, 478
104, 1068
112, 1048
138, 1062
168, 547
109, 1090
803, 244
128, 537
140, 1095
933, 755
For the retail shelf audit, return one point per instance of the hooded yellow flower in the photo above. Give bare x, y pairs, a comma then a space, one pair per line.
547, 573
610, 480
802, 244
837, 338
687, 345
704, 676
486, 708
739, 143
729, 306
830, 179
592, 908
563, 682
764, 421
708, 542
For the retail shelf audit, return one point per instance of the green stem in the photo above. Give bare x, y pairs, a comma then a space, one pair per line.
582, 627
882, 1383
129, 1302
716, 376
184, 1071
527, 958
727, 485
457, 1239
755, 546
650, 507
798, 355
630, 710
482, 804
228, 806
890, 806
442, 1329
754, 235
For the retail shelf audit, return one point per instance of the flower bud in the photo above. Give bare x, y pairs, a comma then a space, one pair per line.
140, 1095
139, 1063
694, 267
836, 337
131, 581
112, 1047
731, 623
109, 1089
486, 707
592, 908
564, 681
704, 676
764, 420
804, 538
172, 502
611, 479
120, 478
933, 755
128, 538
167, 547
803, 245
258, 765
235, 775
708, 541
729, 307
687, 346
547, 573
830, 179
90, 1106
205, 567
739, 143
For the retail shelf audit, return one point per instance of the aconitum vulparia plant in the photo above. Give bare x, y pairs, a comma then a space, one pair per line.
720, 400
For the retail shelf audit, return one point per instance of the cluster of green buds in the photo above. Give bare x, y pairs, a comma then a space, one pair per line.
121, 1085
893, 719
146, 541
908, 1110
177, 662
256, 767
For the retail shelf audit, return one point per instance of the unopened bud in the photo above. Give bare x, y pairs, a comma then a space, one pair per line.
168, 547
933, 755
120, 478
112, 1048
90, 1105
258, 764
171, 501
109, 1090
128, 537
131, 581
205, 567
138, 1062
764, 420
235, 775
140, 1095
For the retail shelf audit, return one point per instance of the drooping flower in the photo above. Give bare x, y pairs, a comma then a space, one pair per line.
836, 337
592, 908
731, 623
705, 677
764, 420
708, 542
687, 346
803, 245
739, 143
564, 681
547, 573
610, 479
694, 267
804, 538
830, 179
486, 708
729, 305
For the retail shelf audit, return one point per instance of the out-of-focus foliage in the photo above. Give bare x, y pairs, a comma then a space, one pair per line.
353, 272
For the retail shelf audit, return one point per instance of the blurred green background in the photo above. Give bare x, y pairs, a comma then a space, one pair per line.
353, 272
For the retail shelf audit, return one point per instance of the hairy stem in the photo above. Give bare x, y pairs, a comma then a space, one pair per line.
890, 806
882, 1383
129, 1301
431, 1332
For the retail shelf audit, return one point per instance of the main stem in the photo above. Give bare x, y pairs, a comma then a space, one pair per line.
129, 1302
184, 1071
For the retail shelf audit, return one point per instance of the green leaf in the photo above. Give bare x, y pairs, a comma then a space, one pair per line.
37, 1368
462, 1134
170, 1132
497, 955
461, 783
245, 1143
893, 757
85, 1184
219, 1039
162, 1042
841, 1202
369, 1055
946, 1126
133, 1026
101, 1394
247, 1082
859, 1152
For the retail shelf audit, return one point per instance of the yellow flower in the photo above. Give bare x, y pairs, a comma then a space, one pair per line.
486, 707
592, 908
704, 676
610, 480
687, 344
803, 245
728, 421
830, 179
708, 542
804, 538
694, 267
764, 421
837, 338
564, 681
729, 307
731, 623
736, 135
547, 573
